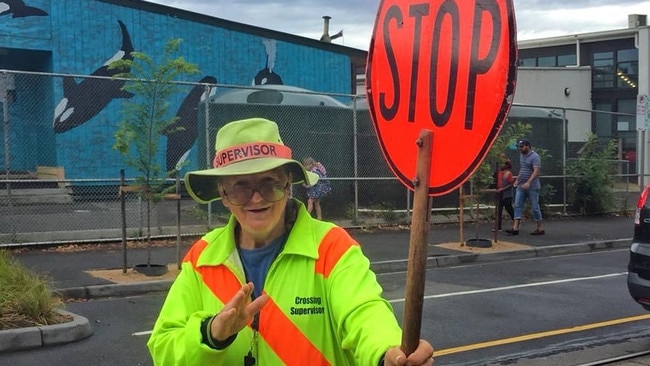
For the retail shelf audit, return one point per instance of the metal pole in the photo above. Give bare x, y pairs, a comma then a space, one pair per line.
356, 161
643, 162
207, 145
5, 113
565, 136
178, 220
123, 212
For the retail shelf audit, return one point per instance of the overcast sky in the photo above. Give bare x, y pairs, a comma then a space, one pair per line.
535, 18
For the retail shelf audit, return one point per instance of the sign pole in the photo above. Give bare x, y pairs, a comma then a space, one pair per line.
416, 270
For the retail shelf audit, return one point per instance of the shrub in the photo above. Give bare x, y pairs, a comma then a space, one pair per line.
592, 177
25, 298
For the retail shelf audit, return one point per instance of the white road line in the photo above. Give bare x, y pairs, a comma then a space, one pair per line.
516, 286
144, 333
148, 332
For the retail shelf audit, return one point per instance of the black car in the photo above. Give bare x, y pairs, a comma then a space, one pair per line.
638, 269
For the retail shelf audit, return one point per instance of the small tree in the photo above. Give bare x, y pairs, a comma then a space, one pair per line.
146, 119
483, 177
592, 177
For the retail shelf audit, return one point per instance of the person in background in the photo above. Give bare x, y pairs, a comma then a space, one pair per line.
274, 286
318, 191
504, 181
528, 186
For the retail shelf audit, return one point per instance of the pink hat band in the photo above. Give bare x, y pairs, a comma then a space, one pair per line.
248, 151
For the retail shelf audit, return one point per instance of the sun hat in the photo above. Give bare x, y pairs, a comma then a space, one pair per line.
246, 146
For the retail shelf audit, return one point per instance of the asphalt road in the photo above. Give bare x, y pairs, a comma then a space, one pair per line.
565, 310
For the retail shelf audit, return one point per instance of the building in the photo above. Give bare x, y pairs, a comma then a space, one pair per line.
69, 121
602, 71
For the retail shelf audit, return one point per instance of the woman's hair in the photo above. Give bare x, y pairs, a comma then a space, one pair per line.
507, 164
308, 161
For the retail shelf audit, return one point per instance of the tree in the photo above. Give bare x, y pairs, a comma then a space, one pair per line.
592, 177
146, 119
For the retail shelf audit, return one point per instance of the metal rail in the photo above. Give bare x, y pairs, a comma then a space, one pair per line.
612, 360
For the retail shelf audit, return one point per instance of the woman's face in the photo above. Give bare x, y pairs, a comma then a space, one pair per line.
262, 216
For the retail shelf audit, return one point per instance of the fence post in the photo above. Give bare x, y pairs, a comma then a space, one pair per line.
123, 212
207, 146
565, 136
356, 161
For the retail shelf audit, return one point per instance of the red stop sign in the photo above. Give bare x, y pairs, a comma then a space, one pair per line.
448, 66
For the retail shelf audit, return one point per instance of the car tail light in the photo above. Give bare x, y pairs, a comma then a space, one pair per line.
641, 204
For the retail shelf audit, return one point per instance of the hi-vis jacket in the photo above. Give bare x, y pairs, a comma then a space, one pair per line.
325, 304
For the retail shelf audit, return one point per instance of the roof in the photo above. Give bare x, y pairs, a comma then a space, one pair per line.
355, 54
580, 37
276, 95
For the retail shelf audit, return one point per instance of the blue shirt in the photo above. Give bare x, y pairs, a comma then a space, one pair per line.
526, 164
258, 261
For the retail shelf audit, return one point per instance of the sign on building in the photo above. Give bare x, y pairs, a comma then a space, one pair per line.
642, 112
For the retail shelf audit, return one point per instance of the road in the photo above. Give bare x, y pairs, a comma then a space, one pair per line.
565, 310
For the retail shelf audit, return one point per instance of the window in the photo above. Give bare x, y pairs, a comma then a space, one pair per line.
603, 70
627, 68
530, 62
566, 60
546, 61
603, 122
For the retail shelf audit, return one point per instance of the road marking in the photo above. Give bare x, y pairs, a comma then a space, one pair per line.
505, 288
487, 344
527, 337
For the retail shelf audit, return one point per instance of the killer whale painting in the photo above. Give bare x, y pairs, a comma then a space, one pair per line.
266, 76
181, 135
84, 100
18, 9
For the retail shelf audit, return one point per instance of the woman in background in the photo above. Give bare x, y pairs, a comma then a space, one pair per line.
321, 189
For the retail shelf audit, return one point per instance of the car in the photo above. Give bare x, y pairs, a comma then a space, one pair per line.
638, 268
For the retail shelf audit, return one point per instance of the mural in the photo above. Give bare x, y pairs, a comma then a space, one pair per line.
181, 135
266, 75
18, 9
83, 101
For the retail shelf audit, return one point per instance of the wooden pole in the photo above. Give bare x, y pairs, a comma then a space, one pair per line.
461, 214
497, 201
416, 270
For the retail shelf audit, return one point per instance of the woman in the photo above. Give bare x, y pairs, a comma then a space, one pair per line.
504, 191
321, 189
274, 286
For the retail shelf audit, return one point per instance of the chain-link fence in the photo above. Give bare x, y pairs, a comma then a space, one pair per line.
60, 179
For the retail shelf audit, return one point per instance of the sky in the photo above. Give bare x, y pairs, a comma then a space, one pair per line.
534, 18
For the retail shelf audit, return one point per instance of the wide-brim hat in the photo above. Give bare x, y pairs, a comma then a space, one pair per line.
247, 146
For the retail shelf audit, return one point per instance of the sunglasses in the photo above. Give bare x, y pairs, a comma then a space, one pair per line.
239, 195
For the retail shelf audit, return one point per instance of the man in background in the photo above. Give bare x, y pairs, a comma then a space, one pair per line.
527, 187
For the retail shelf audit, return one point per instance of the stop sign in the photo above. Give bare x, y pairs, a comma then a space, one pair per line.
448, 66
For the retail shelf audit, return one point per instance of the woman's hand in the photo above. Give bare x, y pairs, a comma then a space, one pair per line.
237, 313
422, 356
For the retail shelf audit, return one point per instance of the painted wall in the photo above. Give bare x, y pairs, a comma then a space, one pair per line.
546, 86
83, 35
25, 26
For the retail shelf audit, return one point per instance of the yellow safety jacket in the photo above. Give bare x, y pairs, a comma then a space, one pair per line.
325, 303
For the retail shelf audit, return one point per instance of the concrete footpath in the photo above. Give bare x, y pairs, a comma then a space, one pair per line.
74, 269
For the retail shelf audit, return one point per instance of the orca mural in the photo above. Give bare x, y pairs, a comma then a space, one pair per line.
18, 9
181, 135
266, 75
83, 101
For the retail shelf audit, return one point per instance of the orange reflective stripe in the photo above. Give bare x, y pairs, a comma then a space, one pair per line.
195, 251
332, 248
288, 342
219, 279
